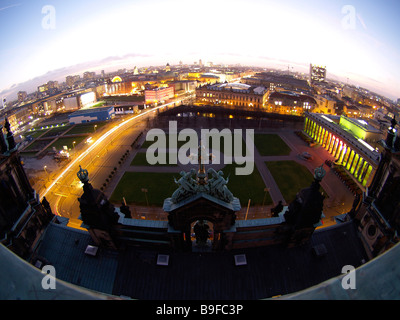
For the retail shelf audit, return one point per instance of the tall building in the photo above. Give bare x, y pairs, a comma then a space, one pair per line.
88, 75
22, 96
158, 94
317, 74
70, 80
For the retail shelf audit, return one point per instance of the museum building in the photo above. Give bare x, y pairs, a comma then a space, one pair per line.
346, 140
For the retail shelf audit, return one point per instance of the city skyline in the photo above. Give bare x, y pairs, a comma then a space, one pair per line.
355, 41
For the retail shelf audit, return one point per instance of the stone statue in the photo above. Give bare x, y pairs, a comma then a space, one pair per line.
306, 210
83, 175
319, 173
217, 185
187, 186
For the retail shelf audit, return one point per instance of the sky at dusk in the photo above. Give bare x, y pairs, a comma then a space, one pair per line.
355, 40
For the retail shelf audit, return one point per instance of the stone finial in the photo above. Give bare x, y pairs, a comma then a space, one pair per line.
319, 173
83, 175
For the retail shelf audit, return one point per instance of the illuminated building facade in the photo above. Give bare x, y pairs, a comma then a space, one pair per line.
232, 94
71, 80
118, 88
317, 74
351, 152
22, 96
158, 94
290, 103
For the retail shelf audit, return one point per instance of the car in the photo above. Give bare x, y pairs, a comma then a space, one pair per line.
305, 156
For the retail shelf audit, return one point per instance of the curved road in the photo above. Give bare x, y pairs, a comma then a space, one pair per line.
99, 158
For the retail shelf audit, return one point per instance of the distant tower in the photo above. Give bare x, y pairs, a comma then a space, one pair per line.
167, 68
135, 70
200, 63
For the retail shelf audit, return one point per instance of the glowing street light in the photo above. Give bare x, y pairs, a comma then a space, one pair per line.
47, 173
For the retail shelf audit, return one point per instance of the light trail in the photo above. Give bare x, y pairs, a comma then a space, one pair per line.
96, 143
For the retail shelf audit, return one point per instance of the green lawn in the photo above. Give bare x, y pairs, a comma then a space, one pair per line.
291, 177
159, 186
60, 143
271, 145
247, 187
56, 131
37, 144
87, 127
147, 143
34, 134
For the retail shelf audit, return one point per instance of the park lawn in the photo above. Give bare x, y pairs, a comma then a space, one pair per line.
291, 177
35, 133
38, 144
247, 187
231, 151
60, 143
87, 127
271, 145
56, 131
159, 187
140, 160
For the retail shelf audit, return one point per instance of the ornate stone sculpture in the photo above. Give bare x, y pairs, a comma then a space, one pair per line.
319, 173
214, 185
83, 175
217, 185
187, 186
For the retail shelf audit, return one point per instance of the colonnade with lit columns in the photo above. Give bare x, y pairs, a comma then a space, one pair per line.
357, 157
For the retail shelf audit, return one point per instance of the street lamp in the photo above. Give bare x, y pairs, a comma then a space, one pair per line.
145, 193
265, 195
44, 168
95, 126
73, 144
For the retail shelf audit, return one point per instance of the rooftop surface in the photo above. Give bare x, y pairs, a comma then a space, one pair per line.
133, 271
